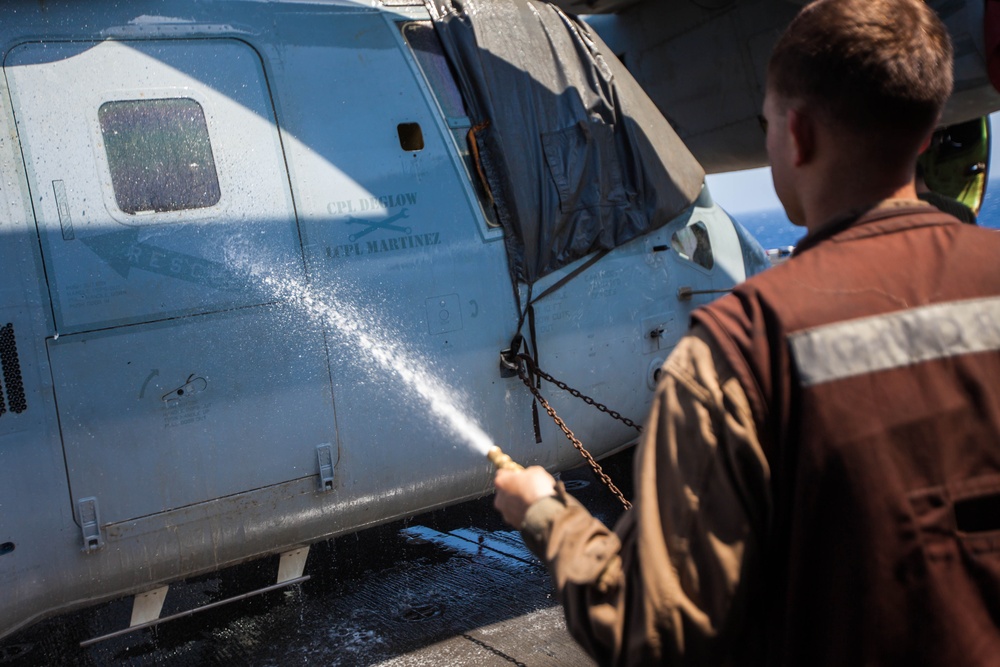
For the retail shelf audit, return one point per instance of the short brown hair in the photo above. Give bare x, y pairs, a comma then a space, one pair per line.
874, 66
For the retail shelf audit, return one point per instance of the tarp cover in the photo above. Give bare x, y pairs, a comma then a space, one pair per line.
577, 157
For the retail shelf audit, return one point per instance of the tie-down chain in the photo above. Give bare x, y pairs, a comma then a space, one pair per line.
518, 363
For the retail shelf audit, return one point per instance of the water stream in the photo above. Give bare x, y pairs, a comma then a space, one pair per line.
387, 354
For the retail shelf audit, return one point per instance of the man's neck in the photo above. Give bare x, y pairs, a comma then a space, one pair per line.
830, 205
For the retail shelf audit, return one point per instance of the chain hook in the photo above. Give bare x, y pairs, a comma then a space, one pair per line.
510, 364
534, 370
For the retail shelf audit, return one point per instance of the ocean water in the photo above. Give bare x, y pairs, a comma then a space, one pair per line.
773, 230
989, 214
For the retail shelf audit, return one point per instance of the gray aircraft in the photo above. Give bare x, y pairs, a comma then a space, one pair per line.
704, 62
268, 268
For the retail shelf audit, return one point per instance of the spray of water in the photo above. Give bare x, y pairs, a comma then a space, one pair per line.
350, 322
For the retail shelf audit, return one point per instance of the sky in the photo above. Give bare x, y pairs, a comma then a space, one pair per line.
749, 191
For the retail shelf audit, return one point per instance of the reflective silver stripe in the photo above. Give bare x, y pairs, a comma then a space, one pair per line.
897, 339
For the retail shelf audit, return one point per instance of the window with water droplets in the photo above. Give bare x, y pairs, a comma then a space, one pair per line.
159, 154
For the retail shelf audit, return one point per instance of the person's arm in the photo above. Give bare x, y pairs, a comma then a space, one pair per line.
662, 584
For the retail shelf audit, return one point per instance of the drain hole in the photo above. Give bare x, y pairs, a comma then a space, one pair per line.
6, 548
421, 612
13, 652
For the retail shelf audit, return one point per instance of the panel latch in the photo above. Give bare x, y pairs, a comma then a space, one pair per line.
324, 456
90, 524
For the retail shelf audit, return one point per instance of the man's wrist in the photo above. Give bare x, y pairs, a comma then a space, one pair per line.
538, 521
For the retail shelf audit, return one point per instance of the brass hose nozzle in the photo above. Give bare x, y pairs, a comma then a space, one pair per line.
501, 460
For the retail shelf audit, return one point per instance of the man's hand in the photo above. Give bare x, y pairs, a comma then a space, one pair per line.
518, 489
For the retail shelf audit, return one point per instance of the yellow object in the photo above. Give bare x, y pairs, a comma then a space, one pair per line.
956, 162
501, 460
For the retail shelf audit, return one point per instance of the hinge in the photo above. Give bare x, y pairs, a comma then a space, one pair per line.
324, 456
90, 524
292, 564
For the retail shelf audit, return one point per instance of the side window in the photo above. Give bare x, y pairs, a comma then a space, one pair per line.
427, 48
429, 52
692, 243
159, 154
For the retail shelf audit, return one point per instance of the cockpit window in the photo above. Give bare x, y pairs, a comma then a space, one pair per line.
692, 243
159, 154
427, 48
429, 52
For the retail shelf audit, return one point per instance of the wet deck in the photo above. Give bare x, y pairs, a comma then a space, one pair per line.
453, 587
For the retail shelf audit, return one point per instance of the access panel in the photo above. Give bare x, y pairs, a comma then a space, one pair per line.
163, 415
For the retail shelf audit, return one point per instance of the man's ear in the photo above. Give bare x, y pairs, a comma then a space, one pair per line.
926, 144
803, 133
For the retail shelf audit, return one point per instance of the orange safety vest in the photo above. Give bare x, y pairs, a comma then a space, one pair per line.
872, 363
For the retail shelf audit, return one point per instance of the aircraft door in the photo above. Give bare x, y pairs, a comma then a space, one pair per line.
161, 198
136, 153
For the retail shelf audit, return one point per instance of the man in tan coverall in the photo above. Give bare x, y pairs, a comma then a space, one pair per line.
818, 482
